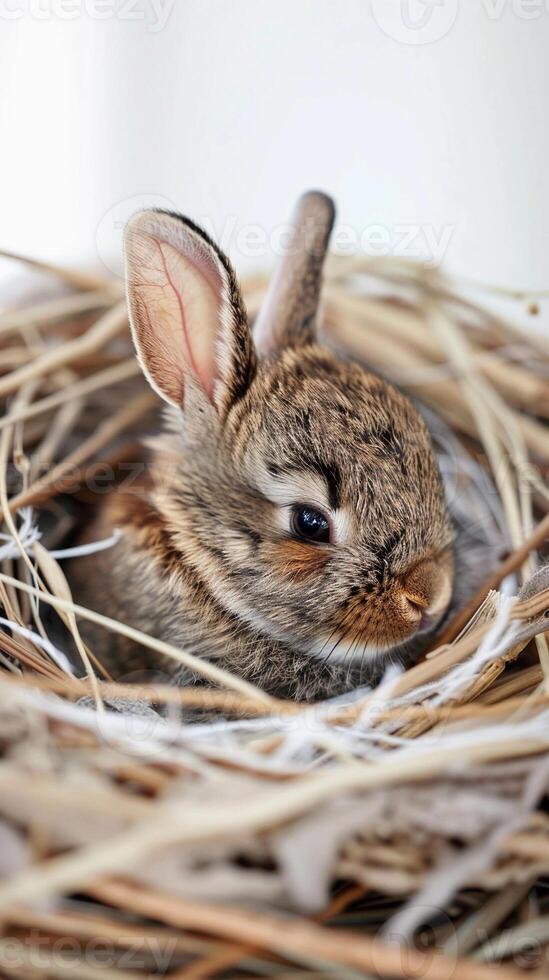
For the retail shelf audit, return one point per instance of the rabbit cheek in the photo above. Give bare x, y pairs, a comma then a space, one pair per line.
295, 561
137, 517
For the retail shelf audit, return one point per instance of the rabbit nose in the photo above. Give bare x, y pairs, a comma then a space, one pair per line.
426, 591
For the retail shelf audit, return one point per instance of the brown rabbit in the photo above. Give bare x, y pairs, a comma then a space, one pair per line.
293, 523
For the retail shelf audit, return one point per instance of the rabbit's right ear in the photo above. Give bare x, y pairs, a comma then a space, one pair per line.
186, 311
288, 315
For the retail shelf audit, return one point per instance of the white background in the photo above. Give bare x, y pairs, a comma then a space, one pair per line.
234, 106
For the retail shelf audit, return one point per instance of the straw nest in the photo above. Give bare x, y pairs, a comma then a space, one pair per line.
397, 832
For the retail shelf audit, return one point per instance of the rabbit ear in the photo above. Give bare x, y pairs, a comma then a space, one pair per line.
186, 312
288, 315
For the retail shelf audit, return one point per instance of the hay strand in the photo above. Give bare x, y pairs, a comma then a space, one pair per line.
233, 826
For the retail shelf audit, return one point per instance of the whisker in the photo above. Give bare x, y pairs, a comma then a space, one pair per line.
326, 641
351, 652
339, 640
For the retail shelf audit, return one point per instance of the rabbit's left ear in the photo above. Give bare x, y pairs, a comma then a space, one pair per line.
186, 312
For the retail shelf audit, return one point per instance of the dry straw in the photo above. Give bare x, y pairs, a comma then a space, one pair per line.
263, 838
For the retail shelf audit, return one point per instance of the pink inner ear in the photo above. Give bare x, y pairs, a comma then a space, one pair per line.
176, 294
188, 355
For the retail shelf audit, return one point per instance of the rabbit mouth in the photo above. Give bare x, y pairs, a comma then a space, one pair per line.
339, 648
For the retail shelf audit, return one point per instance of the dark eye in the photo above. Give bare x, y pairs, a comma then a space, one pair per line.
310, 524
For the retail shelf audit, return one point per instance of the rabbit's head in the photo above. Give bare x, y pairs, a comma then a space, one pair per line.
302, 489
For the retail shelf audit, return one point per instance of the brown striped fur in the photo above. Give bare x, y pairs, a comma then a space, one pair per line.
207, 559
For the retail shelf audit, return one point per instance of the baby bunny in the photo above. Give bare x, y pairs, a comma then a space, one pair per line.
292, 525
